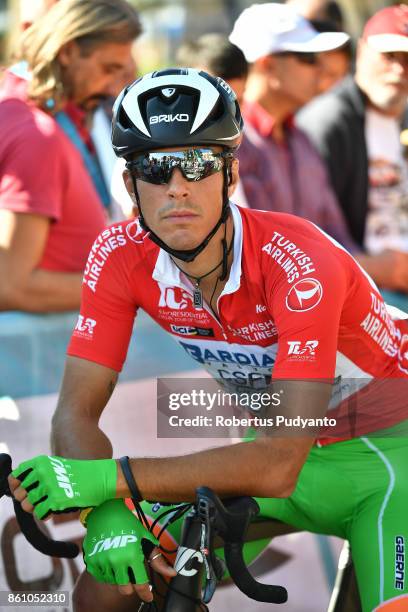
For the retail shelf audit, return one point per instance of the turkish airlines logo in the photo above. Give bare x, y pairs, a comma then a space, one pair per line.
135, 232
403, 353
304, 295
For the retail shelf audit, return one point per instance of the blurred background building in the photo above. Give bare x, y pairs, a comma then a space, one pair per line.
169, 22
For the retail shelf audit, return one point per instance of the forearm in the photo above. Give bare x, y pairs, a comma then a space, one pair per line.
44, 291
75, 425
256, 468
79, 438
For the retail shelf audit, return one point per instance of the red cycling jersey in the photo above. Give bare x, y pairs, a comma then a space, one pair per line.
296, 304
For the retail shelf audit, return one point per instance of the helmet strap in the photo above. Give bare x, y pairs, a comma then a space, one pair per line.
188, 254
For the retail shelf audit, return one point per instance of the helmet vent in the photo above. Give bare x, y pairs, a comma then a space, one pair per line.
123, 119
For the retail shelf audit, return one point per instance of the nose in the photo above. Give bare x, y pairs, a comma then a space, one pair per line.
398, 68
112, 86
400, 63
178, 187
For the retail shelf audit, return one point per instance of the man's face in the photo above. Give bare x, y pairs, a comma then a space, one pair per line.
92, 77
182, 212
296, 75
334, 66
238, 86
384, 77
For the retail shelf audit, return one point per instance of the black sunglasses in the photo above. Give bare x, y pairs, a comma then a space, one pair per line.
304, 58
157, 167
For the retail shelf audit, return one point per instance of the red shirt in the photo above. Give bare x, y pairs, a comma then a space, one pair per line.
261, 120
296, 304
42, 172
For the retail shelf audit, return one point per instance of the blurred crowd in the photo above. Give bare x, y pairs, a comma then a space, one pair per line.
324, 138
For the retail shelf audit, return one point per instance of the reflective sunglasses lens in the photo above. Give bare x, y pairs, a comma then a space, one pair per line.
307, 58
157, 167
303, 58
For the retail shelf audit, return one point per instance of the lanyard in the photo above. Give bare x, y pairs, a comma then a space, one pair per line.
90, 161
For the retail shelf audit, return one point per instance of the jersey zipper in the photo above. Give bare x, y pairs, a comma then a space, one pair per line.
206, 308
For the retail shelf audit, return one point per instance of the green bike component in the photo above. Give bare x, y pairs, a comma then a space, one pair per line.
56, 484
116, 544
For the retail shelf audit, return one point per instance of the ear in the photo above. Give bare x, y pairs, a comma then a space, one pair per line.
361, 45
267, 63
233, 177
128, 183
67, 53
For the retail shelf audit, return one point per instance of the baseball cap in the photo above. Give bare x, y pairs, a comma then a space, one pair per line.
268, 28
387, 30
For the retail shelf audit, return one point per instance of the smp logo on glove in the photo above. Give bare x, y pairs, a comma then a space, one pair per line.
62, 476
115, 542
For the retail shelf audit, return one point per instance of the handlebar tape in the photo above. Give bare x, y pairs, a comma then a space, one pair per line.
245, 582
38, 539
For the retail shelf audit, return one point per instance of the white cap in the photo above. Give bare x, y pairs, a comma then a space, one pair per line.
263, 29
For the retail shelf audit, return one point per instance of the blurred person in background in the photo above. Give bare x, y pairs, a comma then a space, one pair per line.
287, 174
31, 10
51, 188
327, 16
215, 54
96, 123
120, 206
321, 10
334, 65
356, 128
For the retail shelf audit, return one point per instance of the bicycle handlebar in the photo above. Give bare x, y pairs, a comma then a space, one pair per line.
27, 524
230, 520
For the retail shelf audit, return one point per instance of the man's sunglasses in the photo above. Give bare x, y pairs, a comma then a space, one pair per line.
195, 164
303, 58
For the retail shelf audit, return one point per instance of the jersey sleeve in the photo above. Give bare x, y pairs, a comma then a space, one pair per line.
104, 327
32, 178
307, 314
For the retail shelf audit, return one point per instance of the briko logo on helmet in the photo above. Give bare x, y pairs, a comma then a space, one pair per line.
169, 118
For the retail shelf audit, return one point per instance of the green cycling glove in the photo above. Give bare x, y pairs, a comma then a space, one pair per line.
57, 484
116, 544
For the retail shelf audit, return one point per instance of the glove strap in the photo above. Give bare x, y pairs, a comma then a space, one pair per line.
131, 483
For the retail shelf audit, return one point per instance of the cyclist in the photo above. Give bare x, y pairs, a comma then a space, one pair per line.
264, 292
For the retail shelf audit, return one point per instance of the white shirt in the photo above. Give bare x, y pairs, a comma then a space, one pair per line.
387, 219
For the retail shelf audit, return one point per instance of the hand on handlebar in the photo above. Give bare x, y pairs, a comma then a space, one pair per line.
116, 546
46, 484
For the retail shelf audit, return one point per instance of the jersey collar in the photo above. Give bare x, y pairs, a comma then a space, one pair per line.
166, 272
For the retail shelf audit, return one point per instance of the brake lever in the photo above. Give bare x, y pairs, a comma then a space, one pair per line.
207, 517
